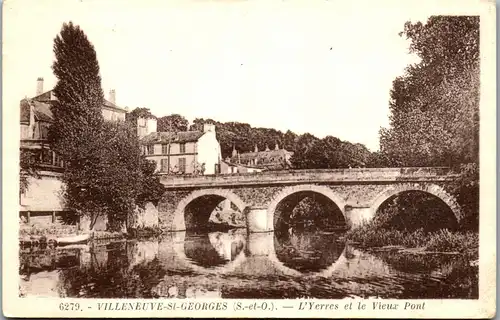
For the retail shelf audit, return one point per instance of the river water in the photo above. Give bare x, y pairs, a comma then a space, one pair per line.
236, 265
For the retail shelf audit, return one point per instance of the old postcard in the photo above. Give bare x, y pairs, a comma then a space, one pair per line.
267, 159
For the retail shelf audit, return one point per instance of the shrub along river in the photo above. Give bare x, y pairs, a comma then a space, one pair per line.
232, 264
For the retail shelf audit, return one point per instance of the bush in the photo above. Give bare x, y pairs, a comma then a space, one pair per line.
444, 240
54, 230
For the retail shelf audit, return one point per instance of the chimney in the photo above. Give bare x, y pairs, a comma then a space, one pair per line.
256, 149
112, 96
208, 127
39, 86
276, 147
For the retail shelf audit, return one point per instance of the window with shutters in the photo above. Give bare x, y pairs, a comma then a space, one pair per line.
164, 165
182, 148
151, 149
164, 148
182, 165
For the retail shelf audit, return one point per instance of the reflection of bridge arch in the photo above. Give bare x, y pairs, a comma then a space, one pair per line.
262, 244
178, 246
195, 209
273, 215
432, 189
280, 266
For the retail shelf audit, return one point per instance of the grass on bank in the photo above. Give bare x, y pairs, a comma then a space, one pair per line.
442, 240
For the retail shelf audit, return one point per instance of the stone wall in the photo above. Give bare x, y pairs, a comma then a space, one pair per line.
44, 194
145, 218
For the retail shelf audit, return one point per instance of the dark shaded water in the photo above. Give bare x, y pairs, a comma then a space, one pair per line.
236, 265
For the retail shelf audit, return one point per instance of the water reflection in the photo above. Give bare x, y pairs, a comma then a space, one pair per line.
213, 249
308, 251
236, 265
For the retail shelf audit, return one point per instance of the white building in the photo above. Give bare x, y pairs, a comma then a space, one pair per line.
186, 152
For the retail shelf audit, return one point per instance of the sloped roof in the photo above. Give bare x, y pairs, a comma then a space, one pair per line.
113, 106
272, 159
41, 110
173, 137
263, 154
48, 96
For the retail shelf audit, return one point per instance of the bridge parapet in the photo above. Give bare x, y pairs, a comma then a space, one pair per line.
323, 176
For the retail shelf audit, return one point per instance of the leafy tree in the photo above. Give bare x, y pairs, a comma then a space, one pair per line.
173, 122
289, 140
77, 113
304, 153
28, 168
151, 188
434, 106
105, 172
133, 115
78, 122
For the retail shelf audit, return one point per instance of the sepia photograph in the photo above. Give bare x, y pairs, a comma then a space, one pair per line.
239, 155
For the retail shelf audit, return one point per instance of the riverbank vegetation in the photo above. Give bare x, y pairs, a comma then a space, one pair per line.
443, 240
416, 220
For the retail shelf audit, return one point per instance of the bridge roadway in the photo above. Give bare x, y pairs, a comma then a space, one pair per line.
331, 176
266, 197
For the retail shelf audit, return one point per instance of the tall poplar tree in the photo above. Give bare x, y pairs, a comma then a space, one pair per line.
78, 122
105, 173
78, 110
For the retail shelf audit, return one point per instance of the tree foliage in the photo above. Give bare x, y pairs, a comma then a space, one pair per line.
309, 151
133, 115
173, 122
77, 111
28, 166
105, 174
434, 106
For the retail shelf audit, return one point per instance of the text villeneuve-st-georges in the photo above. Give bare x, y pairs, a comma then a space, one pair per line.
222, 306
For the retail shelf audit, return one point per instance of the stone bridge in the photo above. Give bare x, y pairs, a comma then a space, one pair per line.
267, 197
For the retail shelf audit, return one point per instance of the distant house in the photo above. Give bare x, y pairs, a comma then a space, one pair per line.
144, 125
189, 152
36, 118
230, 168
277, 159
43, 195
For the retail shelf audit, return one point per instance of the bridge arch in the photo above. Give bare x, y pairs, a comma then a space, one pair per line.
429, 188
274, 214
195, 209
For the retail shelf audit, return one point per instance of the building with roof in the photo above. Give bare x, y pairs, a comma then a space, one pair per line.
43, 194
276, 159
186, 152
231, 168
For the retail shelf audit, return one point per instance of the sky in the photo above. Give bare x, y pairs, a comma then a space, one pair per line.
323, 67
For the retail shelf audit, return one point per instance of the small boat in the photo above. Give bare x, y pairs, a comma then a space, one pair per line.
83, 238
